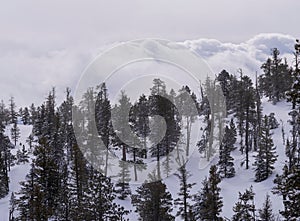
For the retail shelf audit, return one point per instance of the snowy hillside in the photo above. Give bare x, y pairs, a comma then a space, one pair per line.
230, 186
64, 171
243, 178
18, 172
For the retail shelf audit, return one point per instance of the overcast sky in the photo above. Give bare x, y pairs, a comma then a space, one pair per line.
44, 44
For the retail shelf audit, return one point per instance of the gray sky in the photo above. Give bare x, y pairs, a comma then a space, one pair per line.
44, 44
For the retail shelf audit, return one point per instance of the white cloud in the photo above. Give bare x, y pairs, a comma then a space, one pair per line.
248, 55
46, 43
28, 73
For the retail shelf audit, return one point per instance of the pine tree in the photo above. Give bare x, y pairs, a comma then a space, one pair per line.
77, 184
294, 136
153, 202
31, 203
12, 111
272, 121
276, 79
25, 116
159, 104
30, 141
12, 207
210, 107
244, 109
93, 149
183, 201
288, 186
204, 110
244, 209
99, 198
22, 156
47, 170
201, 207
33, 114
226, 81
141, 122
103, 120
257, 116
209, 203
122, 186
232, 133
4, 113
293, 95
120, 121
183, 104
226, 165
266, 156
4, 162
15, 133
266, 213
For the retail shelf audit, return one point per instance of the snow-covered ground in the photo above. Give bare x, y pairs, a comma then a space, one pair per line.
230, 187
243, 178
17, 172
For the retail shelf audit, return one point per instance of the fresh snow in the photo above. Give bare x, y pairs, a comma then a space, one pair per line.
243, 178
17, 172
230, 186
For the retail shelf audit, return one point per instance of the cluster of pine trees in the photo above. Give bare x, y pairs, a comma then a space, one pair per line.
63, 185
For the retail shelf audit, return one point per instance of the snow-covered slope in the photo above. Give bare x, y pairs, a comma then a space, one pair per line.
17, 173
243, 179
230, 187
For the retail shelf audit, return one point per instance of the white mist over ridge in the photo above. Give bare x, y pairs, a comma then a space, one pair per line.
248, 55
37, 71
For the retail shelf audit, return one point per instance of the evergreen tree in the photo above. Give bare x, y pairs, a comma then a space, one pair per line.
226, 81
33, 114
12, 111
4, 162
141, 121
209, 203
15, 133
294, 149
103, 120
244, 109
160, 105
25, 116
232, 133
4, 113
201, 207
99, 199
257, 116
266, 156
210, 107
226, 165
266, 213
272, 121
288, 186
276, 79
183, 201
22, 156
205, 112
31, 204
244, 209
12, 207
30, 141
183, 104
47, 170
293, 95
77, 184
153, 202
122, 186
121, 125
